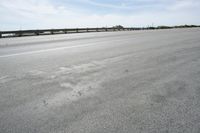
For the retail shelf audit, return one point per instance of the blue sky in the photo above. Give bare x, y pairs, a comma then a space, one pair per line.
40, 14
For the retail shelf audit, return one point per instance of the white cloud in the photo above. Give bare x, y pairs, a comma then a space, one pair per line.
35, 14
184, 5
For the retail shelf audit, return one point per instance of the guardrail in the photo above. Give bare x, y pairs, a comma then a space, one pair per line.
20, 33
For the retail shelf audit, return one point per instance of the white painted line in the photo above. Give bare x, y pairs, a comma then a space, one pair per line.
45, 50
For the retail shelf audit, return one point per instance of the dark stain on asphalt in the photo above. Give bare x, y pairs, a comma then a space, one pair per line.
157, 98
126, 70
175, 89
172, 89
45, 102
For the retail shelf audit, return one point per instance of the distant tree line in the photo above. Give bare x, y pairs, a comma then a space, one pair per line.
161, 27
118, 27
179, 26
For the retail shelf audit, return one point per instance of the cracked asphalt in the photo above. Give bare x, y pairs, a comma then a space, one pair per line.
112, 82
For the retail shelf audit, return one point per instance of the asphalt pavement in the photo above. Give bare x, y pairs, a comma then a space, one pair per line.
106, 82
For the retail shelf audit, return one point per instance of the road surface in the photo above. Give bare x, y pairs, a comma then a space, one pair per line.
113, 82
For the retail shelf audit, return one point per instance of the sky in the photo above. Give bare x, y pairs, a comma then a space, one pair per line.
42, 14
